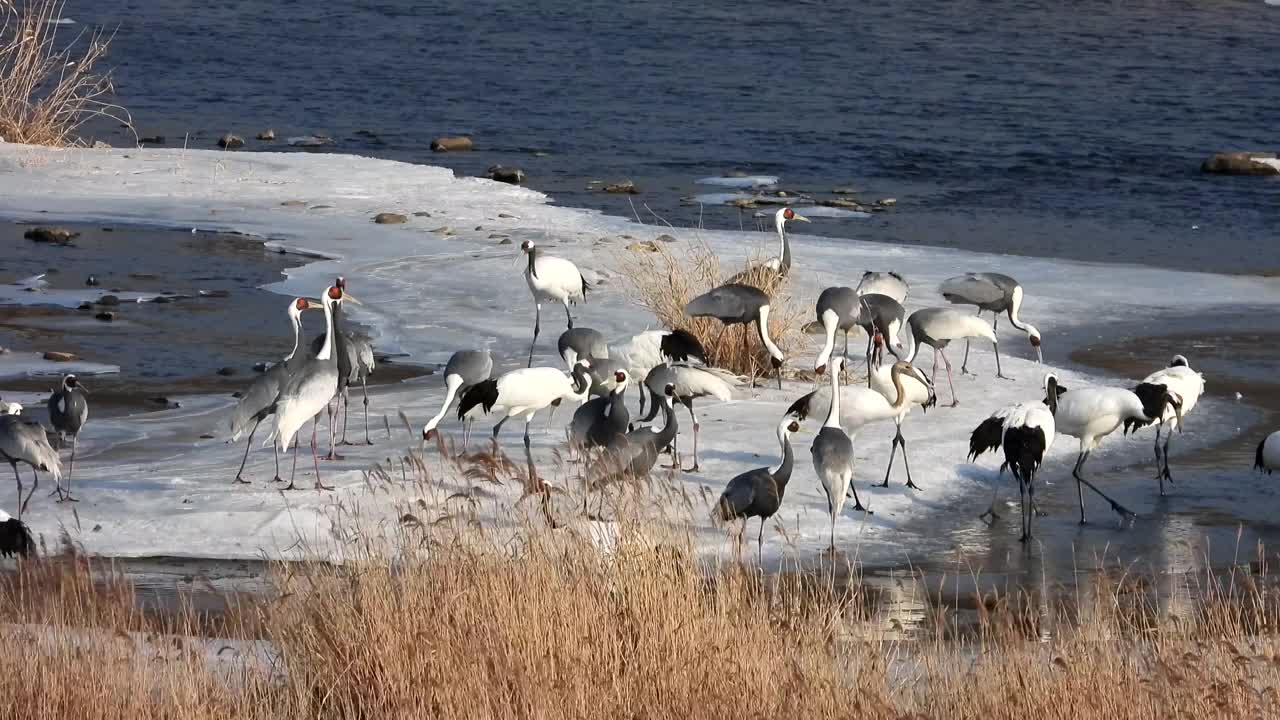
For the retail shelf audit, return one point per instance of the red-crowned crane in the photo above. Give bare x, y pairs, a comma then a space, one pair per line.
524, 392
1184, 384
551, 279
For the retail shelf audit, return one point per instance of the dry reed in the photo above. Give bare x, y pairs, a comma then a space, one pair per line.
664, 281
49, 88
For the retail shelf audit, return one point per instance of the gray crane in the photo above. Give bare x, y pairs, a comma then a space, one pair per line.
68, 412
736, 304
27, 442
640, 447
758, 492
259, 401
832, 452
310, 389
842, 308
602, 421
995, 293
937, 327
581, 342
465, 370
355, 363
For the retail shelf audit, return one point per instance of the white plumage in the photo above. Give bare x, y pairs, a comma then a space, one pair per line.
883, 283
551, 279
1185, 386
524, 392
639, 354
1026, 432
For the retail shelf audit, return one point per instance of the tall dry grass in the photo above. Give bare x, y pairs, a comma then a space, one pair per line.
48, 84
664, 280
462, 624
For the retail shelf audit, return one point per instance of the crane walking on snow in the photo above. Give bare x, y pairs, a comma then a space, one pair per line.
758, 492
551, 279
994, 293
465, 370
937, 327
68, 412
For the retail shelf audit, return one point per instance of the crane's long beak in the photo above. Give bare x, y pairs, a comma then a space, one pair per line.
1039, 355
348, 297
801, 218
314, 304
85, 390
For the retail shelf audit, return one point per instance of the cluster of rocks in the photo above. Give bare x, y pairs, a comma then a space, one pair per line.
1241, 163
841, 198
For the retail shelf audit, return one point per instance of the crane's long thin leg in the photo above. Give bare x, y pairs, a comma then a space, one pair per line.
1121, 510
697, 427
364, 388
1031, 502
857, 504
346, 413
906, 463
35, 483
275, 450
746, 350
247, 446
1022, 510
964, 364
18, 477
995, 492
537, 327
333, 429
1075, 472
315, 457
1159, 460
66, 497
869, 340
567, 317
1165, 474
641, 392
954, 400
498, 427
933, 379
995, 345
294, 471
892, 454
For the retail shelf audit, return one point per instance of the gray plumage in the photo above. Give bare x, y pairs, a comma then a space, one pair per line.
26, 442
68, 412
736, 304
832, 453
356, 363
602, 421
465, 370
640, 448
884, 283
309, 390
992, 292
872, 312
604, 375
581, 342
758, 492
690, 382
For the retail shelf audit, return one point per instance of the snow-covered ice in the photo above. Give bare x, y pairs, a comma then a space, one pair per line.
152, 486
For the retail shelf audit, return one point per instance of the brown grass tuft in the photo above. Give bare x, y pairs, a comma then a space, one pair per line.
664, 281
48, 88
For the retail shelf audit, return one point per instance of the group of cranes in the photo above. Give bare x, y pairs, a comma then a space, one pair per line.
670, 366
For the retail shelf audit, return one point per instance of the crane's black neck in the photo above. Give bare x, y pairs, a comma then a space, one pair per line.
669, 429
783, 474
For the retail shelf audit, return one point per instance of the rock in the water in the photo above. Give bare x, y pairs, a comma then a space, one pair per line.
310, 141
643, 246
844, 191
261, 366
105, 316
91, 281
85, 306
267, 134
627, 187
101, 145
214, 293
1242, 163
59, 356
665, 238
840, 203
55, 235
887, 202
109, 300
226, 371
293, 203
502, 173
161, 300
452, 143
390, 218
508, 216
230, 142
504, 241
422, 213
151, 140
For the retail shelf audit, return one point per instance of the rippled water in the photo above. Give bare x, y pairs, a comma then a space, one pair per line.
1071, 130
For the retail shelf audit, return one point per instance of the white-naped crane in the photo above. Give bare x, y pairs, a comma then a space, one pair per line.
309, 391
601, 422
832, 453
642, 352
937, 327
758, 492
551, 279
884, 283
995, 293
780, 265
68, 412
1025, 431
465, 369
23, 441
15, 537
10, 408
736, 304
1184, 384
896, 390
581, 342
356, 363
258, 402
690, 382
843, 309
1267, 459
524, 392
1091, 414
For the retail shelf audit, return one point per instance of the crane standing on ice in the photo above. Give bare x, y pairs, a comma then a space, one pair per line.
68, 412
883, 283
465, 369
736, 304
551, 279
524, 392
937, 327
994, 293
758, 492
27, 442
775, 267
832, 452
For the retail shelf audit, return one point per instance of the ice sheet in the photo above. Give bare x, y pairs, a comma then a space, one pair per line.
17, 364
745, 181
151, 485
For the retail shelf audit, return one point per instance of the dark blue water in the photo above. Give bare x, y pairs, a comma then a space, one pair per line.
1058, 129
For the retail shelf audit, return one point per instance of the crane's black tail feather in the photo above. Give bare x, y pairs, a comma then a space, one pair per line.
1023, 450
986, 437
1155, 400
484, 394
1258, 464
681, 345
15, 539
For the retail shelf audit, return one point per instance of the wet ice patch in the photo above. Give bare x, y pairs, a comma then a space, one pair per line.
744, 181
15, 364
